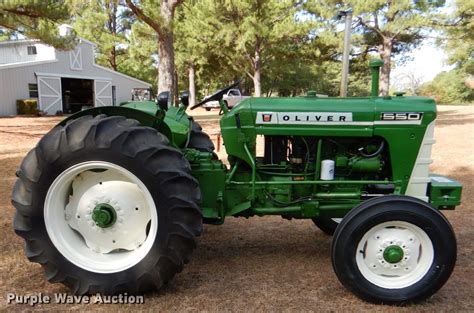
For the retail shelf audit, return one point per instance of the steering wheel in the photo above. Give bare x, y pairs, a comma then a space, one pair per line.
217, 96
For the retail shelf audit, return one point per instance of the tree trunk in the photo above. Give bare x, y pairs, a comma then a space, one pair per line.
385, 51
192, 84
164, 30
113, 59
166, 51
176, 89
256, 74
111, 8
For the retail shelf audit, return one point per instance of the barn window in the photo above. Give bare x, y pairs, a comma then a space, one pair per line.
31, 50
33, 89
75, 59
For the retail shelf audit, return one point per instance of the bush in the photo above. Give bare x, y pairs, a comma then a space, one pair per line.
27, 106
449, 88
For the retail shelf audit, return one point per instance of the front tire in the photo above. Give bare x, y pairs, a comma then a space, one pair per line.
104, 205
327, 224
199, 140
394, 249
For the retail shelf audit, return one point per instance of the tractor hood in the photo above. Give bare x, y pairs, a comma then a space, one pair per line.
324, 117
294, 116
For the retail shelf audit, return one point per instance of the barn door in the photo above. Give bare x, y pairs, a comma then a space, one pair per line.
49, 94
103, 92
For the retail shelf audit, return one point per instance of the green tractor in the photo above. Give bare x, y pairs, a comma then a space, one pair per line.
112, 199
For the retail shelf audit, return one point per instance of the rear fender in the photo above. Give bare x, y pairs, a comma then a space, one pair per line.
145, 119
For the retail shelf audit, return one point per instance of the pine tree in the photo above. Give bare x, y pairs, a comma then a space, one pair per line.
36, 19
104, 22
298, 53
457, 85
254, 32
387, 27
459, 36
160, 19
241, 37
141, 55
198, 57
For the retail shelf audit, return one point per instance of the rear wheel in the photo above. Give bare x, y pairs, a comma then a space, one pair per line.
327, 224
394, 249
104, 205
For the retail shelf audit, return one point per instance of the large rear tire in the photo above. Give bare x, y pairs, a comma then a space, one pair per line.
394, 249
105, 205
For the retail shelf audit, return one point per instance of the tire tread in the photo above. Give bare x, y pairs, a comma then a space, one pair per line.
134, 141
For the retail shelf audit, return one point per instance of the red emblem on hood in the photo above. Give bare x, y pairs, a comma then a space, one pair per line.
267, 118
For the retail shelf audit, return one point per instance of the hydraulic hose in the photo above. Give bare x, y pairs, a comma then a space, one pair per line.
371, 155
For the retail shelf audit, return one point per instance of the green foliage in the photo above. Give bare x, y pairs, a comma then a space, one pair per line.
123, 43
141, 57
159, 16
457, 85
105, 22
27, 106
222, 38
257, 35
293, 46
385, 27
196, 45
401, 21
36, 19
459, 32
5, 34
449, 88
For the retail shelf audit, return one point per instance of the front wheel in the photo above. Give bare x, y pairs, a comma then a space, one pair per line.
105, 205
394, 249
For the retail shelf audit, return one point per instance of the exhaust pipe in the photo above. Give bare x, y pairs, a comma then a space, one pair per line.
375, 65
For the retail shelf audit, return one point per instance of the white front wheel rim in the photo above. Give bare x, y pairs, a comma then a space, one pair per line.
68, 215
416, 256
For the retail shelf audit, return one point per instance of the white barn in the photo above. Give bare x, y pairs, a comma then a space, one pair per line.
60, 80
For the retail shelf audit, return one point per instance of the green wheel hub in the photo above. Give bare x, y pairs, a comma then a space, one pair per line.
393, 254
104, 215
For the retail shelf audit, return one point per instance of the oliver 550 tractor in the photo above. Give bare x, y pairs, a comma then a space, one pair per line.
112, 199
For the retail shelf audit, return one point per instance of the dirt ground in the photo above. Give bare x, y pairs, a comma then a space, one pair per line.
256, 264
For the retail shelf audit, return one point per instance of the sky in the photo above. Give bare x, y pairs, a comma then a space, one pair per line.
427, 60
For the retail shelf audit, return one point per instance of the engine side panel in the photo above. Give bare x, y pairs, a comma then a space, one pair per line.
300, 133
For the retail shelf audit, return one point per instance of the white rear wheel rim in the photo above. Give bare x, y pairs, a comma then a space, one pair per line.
418, 255
68, 220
